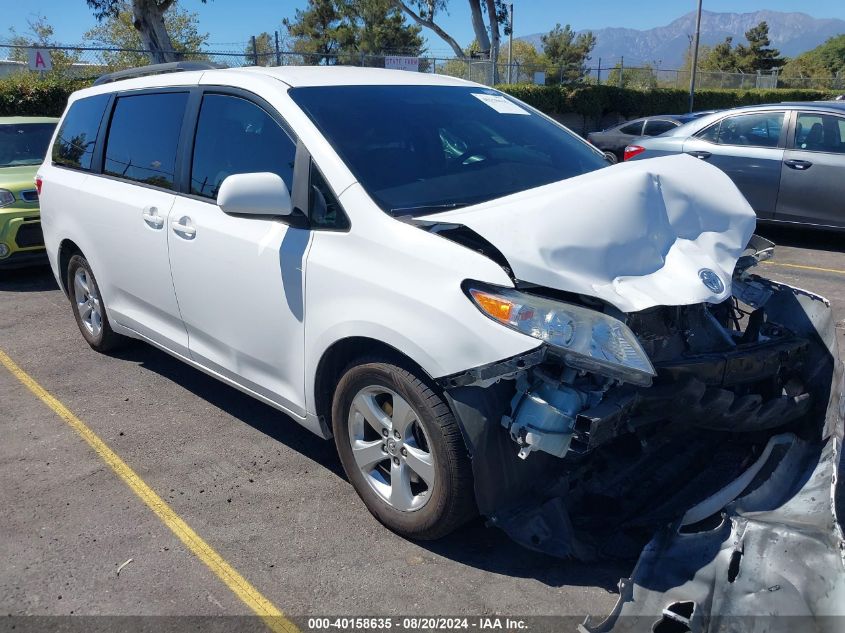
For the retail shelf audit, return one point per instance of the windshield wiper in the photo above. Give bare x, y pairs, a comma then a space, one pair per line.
428, 208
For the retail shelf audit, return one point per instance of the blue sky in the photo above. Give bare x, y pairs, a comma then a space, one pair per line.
231, 21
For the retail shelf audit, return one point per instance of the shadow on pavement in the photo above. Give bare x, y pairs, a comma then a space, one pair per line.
247, 409
797, 237
490, 549
32, 279
473, 545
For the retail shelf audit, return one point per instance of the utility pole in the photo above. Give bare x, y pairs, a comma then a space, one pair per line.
510, 46
278, 51
694, 58
254, 52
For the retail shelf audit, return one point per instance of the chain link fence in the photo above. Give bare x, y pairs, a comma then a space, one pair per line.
90, 62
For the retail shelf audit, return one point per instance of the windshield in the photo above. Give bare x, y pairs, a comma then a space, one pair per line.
423, 149
24, 143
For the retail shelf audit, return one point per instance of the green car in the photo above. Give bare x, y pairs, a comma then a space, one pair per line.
23, 144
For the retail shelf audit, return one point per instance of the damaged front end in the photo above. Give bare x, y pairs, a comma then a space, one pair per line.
722, 441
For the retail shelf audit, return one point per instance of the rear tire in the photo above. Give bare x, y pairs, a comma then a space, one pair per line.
402, 450
88, 307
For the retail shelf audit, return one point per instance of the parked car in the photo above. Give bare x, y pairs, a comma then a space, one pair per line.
23, 143
613, 140
788, 159
451, 285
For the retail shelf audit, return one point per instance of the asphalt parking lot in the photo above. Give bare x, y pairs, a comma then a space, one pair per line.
265, 494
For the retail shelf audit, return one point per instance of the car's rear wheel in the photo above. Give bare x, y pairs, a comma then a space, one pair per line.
402, 450
88, 308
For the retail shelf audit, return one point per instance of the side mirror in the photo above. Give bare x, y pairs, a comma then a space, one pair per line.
261, 193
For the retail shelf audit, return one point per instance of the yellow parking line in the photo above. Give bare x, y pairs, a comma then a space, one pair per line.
803, 267
240, 586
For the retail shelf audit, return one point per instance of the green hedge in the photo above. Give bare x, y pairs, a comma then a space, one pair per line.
593, 102
26, 94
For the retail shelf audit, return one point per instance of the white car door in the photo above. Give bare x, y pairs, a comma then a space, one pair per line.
240, 280
128, 208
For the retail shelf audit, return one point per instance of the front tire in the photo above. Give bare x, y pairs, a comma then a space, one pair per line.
402, 450
88, 308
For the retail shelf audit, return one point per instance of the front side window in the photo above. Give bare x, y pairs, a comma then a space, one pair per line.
752, 130
143, 137
235, 136
710, 133
423, 149
74, 146
820, 133
24, 143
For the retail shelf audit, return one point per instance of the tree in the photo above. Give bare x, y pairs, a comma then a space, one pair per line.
816, 68
148, 20
40, 34
264, 52
424, 13
568, 51
758, 55
720, 57
340, 31
526, 61
641, 78
117, 30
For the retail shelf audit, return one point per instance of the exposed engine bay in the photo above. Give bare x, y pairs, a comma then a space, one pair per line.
744, 413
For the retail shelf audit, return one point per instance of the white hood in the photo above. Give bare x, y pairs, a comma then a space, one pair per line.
636, 235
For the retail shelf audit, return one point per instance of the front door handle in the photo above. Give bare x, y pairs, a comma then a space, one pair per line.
800, 165
700, 154
152, 218
184, 228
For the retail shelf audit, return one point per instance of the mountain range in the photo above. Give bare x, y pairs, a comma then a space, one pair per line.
791, 33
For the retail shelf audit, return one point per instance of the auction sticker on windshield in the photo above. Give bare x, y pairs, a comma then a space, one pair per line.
500, 104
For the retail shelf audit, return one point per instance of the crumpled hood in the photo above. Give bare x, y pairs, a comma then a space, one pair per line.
636, 235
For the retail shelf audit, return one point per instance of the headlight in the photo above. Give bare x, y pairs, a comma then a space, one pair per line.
585, 338
6, 198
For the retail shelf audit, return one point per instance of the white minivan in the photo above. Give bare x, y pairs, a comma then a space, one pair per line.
482, 312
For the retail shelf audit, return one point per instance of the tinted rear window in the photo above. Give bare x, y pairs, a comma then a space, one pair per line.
635, 129
74, 146
143, 137
655, 127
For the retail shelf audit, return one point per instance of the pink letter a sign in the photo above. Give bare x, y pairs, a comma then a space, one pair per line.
39, 59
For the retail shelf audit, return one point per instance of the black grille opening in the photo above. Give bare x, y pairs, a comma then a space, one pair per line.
30, 195
30, 235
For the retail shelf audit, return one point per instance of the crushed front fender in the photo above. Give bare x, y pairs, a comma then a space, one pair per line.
721, 534
771, 557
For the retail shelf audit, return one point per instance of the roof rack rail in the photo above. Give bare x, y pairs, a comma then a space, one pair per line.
155, 69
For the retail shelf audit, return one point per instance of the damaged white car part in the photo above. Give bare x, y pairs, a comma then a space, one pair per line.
586, 340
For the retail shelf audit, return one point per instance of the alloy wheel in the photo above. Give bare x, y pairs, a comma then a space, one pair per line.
88, 303
391, 448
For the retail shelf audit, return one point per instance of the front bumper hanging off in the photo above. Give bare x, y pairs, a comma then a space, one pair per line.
734, 507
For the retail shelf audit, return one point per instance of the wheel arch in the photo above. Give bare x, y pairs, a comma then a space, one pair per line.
343, 352
67, 249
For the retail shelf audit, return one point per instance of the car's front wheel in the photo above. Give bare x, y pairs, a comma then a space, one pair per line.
88, 308
402, 450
